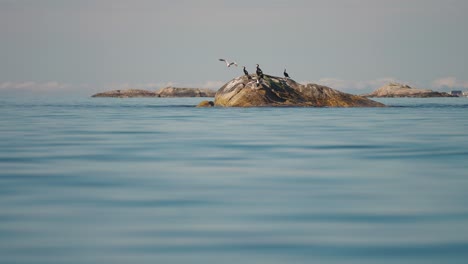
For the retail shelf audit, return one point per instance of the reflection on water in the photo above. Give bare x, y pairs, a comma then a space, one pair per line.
158, 181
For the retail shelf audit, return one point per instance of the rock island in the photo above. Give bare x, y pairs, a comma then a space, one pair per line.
164, 92
401, 90
246, 91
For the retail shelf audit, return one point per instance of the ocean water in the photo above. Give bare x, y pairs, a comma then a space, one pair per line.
94, 180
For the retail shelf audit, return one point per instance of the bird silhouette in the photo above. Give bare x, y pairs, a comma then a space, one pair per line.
247, 73
259, 72
229, 64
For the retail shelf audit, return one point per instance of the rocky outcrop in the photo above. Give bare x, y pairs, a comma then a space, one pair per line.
185, 92
206, 104
400, 90
165, 92
126, 93
275, 91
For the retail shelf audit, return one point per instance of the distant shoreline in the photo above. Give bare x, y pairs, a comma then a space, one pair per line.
164, 92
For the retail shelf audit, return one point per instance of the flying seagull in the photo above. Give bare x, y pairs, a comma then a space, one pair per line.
285, 74
228, 64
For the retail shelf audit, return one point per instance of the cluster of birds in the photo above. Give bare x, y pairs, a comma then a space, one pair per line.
259, 71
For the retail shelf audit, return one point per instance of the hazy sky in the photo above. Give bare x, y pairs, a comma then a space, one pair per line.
82, 46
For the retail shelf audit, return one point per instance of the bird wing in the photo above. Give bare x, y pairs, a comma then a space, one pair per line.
222, 60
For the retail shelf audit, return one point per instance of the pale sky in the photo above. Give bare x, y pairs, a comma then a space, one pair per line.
85, 46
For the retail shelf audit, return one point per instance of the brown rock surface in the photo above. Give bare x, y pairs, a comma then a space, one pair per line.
206, 104
165, 92
400, 90
185, 92
276, 91
126, 93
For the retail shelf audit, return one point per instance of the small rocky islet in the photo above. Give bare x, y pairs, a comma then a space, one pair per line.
272, 91
401, 90
164, 92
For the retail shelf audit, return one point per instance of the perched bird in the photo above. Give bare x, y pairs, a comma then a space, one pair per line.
247, 73
228, 64
285, 74
259, 72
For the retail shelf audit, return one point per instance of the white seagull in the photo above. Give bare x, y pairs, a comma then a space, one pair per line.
228, 63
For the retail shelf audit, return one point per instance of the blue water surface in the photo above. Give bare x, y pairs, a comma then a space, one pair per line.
156, 180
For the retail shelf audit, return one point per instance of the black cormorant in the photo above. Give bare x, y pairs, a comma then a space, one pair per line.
259, 72
285, 74
246, 73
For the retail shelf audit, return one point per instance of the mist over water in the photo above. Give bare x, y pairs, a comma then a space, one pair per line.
95, 180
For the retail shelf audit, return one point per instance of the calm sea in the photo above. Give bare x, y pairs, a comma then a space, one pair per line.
90, 180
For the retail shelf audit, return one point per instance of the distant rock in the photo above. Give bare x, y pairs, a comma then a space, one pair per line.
185, 92
276, 91
165, 92
400, 90
206, 104
126, 93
